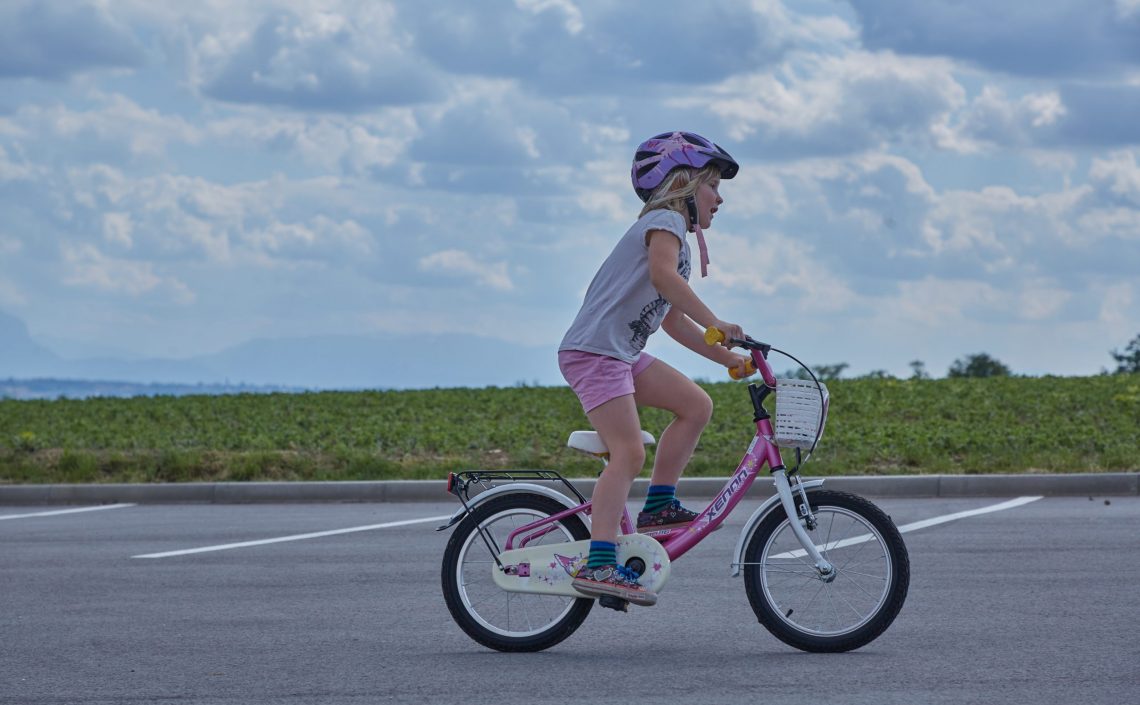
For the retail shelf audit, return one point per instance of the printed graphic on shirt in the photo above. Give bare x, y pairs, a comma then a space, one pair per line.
650, 318
652, 315
684, 267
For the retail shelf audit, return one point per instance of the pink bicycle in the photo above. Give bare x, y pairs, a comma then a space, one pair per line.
824, 571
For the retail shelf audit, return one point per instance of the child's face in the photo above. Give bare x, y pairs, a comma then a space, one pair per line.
708, 200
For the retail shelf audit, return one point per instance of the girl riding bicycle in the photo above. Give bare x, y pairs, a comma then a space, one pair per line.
642, 286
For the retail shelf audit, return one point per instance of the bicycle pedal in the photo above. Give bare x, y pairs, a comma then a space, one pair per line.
614, 603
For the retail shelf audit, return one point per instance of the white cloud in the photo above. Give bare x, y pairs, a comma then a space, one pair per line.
833, 104
1060, 37
318, 238
1116, 223
335, 59
935, 303
994, 121
596, 47
13, 171
493, 275
1120, 173
10, 245
970, 221
490, 125
772, 263
86, 266
1041, 300
604, 189
193, 220
354, 145
117, 228
115, 119
571, 13
1127, 8
757, 191
1118, 307
10, 294
50, 40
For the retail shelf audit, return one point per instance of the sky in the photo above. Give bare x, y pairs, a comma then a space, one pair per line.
919, 180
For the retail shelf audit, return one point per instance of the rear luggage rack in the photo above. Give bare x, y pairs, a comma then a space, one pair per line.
461, 483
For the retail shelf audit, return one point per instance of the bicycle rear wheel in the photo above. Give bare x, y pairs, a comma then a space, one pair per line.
846, 610
501, 620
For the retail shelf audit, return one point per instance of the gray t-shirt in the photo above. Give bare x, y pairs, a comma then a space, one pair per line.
622, 308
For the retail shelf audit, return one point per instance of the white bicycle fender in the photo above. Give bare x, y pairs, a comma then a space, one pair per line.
753, 521
550, 569
557, 496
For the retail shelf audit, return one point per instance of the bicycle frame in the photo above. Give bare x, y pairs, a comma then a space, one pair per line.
762, 451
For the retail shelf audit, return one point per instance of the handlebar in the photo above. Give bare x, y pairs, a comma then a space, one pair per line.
759, 361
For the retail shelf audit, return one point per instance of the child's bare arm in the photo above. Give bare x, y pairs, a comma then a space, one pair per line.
686, 332
663, 250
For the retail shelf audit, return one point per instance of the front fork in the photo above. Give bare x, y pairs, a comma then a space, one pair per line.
799, 517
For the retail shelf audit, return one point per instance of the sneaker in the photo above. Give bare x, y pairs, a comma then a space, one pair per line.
615, 580
672, 516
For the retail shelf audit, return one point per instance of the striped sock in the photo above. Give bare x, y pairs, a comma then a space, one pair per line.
602, 553
659, 497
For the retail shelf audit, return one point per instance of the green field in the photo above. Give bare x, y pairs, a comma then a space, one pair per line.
877, 426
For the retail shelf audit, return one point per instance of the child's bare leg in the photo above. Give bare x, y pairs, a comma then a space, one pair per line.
662, 387
616, 421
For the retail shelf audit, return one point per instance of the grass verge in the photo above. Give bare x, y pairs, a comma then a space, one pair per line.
1007, 425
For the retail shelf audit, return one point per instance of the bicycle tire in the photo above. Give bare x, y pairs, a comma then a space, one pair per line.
780, 580
482, 609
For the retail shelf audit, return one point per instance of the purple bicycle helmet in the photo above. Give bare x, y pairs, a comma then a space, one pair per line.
659, 155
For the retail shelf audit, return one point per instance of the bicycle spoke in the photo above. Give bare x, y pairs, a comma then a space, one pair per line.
525, 612
812, 600
878, 559
813, 573
881, 558
490, 599
881, 578
862, 546
831, 601
860, 587
847, 602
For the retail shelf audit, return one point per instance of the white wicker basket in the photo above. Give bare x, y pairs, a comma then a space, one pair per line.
800, 412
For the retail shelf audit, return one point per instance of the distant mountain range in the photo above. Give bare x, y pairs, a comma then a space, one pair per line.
28, 369
51, 388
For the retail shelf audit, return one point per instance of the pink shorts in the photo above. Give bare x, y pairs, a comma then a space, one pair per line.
597, 379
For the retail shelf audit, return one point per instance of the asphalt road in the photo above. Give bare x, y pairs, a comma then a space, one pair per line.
1034, 604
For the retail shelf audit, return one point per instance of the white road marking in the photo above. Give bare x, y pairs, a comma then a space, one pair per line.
1020, 501
65, 511
295, 537
915, 526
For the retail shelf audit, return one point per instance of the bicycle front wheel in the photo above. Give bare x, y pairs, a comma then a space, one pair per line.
845, 610
501, 620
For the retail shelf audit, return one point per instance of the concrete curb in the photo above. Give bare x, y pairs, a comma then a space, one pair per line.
1087, 484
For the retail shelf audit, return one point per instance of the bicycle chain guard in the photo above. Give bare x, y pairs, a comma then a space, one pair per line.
550, 569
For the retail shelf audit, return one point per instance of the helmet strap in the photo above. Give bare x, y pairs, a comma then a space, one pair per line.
695, 226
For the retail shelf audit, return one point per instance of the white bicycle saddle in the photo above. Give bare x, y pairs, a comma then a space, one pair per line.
590, 442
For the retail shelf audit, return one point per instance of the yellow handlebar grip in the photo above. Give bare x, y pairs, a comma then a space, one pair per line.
749, 370
713, 335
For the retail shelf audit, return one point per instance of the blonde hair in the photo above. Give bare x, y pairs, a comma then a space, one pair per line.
679, 185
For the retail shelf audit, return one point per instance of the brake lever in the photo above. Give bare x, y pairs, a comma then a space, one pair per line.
750, 344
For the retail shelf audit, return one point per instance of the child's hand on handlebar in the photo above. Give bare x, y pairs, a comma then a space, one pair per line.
742, 368
730, 331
